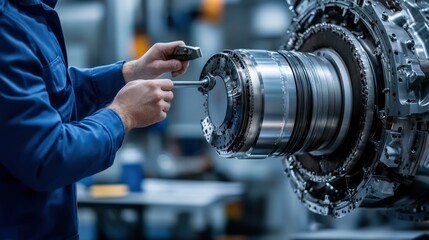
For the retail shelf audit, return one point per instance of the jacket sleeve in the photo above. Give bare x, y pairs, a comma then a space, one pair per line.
35, 145
96, 87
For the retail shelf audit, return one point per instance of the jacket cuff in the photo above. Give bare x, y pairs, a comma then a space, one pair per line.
112, 123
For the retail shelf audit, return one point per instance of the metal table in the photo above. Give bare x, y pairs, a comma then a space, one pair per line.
175, 194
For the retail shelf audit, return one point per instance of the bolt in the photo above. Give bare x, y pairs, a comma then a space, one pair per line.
410, 43
384, 16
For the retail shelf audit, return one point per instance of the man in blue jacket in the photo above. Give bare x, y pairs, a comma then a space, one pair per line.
60, 124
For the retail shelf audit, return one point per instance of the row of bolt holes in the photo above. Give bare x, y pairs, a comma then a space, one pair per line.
413, 150
336, 213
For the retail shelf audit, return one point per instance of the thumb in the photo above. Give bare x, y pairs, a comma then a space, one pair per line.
169, 65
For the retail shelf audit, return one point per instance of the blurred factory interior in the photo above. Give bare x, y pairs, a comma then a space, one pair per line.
263, 205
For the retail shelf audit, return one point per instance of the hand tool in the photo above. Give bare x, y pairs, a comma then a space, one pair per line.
186, 53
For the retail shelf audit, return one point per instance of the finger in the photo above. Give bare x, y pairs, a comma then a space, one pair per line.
168, 65
165, 106
163, 115
185, 66
168, 96
182, 70
168, 48
165, 84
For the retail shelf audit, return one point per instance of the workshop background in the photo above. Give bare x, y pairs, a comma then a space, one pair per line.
105, 31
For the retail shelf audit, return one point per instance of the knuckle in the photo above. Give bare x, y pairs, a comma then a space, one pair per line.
176, 65
170, 83
157, 45
157, 65
157, 95
151, 84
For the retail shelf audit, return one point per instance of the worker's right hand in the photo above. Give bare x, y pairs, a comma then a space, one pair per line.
141, 103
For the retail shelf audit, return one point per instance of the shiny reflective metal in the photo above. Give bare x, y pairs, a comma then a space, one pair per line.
272, 86
345, 100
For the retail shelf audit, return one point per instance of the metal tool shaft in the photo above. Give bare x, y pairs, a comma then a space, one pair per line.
188, 84
204, 85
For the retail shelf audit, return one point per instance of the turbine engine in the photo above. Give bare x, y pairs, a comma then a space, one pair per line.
344, 101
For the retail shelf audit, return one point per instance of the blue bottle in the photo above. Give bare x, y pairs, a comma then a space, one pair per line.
132, 167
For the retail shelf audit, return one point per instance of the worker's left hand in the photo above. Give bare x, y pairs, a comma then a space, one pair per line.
156, 61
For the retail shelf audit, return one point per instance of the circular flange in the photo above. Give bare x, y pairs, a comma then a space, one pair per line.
344, 43
217, 102
221, 131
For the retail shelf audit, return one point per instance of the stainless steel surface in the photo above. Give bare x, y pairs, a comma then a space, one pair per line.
271, 87
345, 100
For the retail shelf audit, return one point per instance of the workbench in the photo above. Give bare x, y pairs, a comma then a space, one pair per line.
180, 195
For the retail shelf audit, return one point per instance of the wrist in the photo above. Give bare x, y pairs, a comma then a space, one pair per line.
128, 71
126, 119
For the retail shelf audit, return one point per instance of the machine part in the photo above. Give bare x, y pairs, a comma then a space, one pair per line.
345, 101
186, 53
204, 85
270, 87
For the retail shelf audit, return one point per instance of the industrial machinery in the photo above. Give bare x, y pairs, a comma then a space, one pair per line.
345, 102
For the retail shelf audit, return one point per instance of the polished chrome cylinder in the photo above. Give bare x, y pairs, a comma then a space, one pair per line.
277, 103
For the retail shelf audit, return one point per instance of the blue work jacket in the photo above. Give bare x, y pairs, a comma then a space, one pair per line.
54, 129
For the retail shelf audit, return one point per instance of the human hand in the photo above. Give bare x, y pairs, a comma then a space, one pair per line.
156, 61
141, 103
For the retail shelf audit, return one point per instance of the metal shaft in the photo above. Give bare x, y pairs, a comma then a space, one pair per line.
188, 84
204, 85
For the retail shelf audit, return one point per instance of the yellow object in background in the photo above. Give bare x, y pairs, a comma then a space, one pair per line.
234, 210
110, 190
141, 44
212, 10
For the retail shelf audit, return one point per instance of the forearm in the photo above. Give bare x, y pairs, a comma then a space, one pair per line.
60, 154
96, 87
